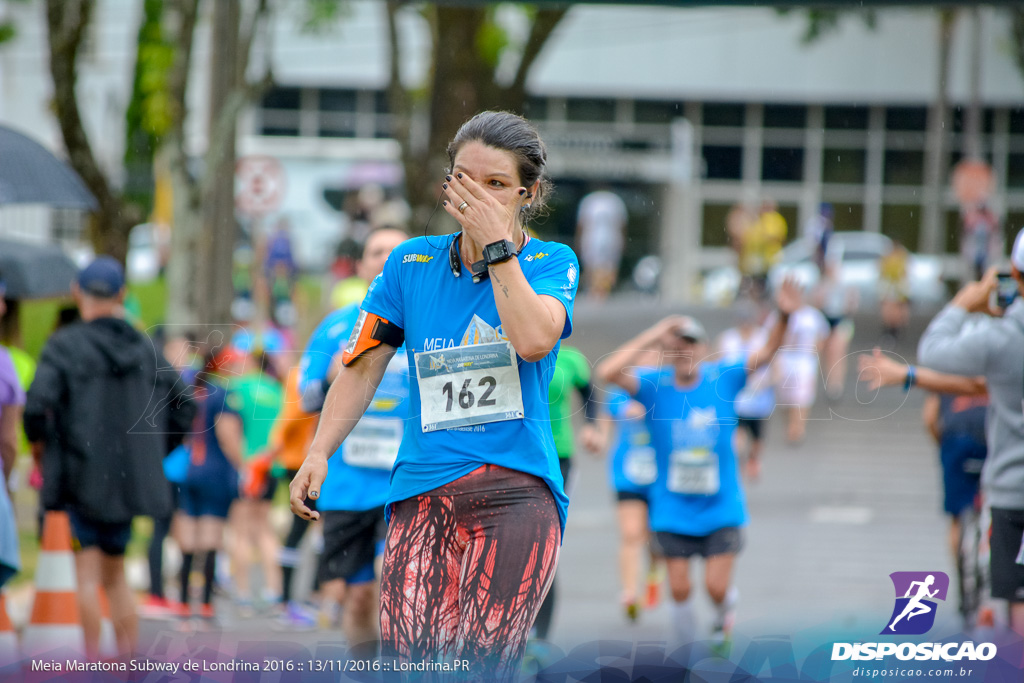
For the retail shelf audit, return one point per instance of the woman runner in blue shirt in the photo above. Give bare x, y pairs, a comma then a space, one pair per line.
477, 504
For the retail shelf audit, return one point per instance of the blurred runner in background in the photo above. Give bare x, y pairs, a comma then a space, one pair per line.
698, 507
358, 477
571, 376
838, 303
182, 353
211, 482
600, 237
756, 403
955, 415
980, 239
798, 368
632, 469
260, 397
12, 401
762, 243
894, 293
290, 437
104, 409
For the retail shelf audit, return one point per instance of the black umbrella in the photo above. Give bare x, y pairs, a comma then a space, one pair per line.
34, 271
29, 174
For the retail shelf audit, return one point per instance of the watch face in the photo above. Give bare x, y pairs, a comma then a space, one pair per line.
496, 250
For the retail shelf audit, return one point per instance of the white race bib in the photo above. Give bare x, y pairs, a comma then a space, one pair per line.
468, 385
640, 467
693, 471
373, 443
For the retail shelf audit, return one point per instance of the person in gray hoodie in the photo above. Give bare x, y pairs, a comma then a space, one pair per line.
103, 410
992, 345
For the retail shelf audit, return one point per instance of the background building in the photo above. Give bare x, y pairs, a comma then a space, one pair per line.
841, 120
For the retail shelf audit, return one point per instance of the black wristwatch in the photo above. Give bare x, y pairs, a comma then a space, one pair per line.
499, 252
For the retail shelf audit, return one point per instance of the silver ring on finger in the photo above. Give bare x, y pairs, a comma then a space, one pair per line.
462, 207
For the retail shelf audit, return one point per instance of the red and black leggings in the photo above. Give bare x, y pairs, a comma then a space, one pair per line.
466, 568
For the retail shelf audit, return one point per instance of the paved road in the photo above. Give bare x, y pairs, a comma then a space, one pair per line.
830, 519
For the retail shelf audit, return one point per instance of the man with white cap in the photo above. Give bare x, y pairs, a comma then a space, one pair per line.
697, 505
992, 347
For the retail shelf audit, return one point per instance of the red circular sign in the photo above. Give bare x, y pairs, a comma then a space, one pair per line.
260, 185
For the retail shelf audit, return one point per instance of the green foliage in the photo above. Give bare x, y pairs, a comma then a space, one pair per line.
491, 40
1017, 37
149, 106
321, 16
148, 116
821, 22
7, 31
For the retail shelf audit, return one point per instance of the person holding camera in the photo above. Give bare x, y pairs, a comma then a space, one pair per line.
992, 346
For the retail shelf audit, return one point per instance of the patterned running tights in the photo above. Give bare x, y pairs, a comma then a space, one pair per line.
466, 567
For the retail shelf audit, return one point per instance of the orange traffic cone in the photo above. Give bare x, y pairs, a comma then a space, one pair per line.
8, 639
54, 622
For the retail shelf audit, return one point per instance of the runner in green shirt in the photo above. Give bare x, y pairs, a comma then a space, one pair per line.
260, 396
572, 372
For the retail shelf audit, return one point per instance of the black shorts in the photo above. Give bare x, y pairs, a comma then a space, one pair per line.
754, 425
1007, 575
565, 467
269, 489
727, 541
110, 537
351, 541
622, 496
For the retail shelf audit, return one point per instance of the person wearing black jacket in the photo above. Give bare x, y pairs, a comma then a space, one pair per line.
104, 408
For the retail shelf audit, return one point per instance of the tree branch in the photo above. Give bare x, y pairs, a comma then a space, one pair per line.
260, 18
185, 17
66, 24
225, 124
543, 26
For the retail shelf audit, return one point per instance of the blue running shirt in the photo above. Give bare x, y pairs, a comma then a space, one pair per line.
698, 488
358, 474
632, 467
438, 311
208, 462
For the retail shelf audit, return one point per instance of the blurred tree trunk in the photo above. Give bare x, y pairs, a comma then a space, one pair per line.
936, 150
1017, 36
972, 117
203, 236
460, 83
184, 262
67, 22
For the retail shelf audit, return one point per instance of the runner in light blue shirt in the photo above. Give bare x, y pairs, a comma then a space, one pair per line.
353, 494
697, 502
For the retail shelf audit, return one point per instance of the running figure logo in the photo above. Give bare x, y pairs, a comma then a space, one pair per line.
916, 592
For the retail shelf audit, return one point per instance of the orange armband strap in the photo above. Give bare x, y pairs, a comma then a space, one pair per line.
370, 332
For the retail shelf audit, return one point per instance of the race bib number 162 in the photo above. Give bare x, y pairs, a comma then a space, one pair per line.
468, 385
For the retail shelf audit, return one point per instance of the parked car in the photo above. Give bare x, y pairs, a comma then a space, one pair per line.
860, 254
